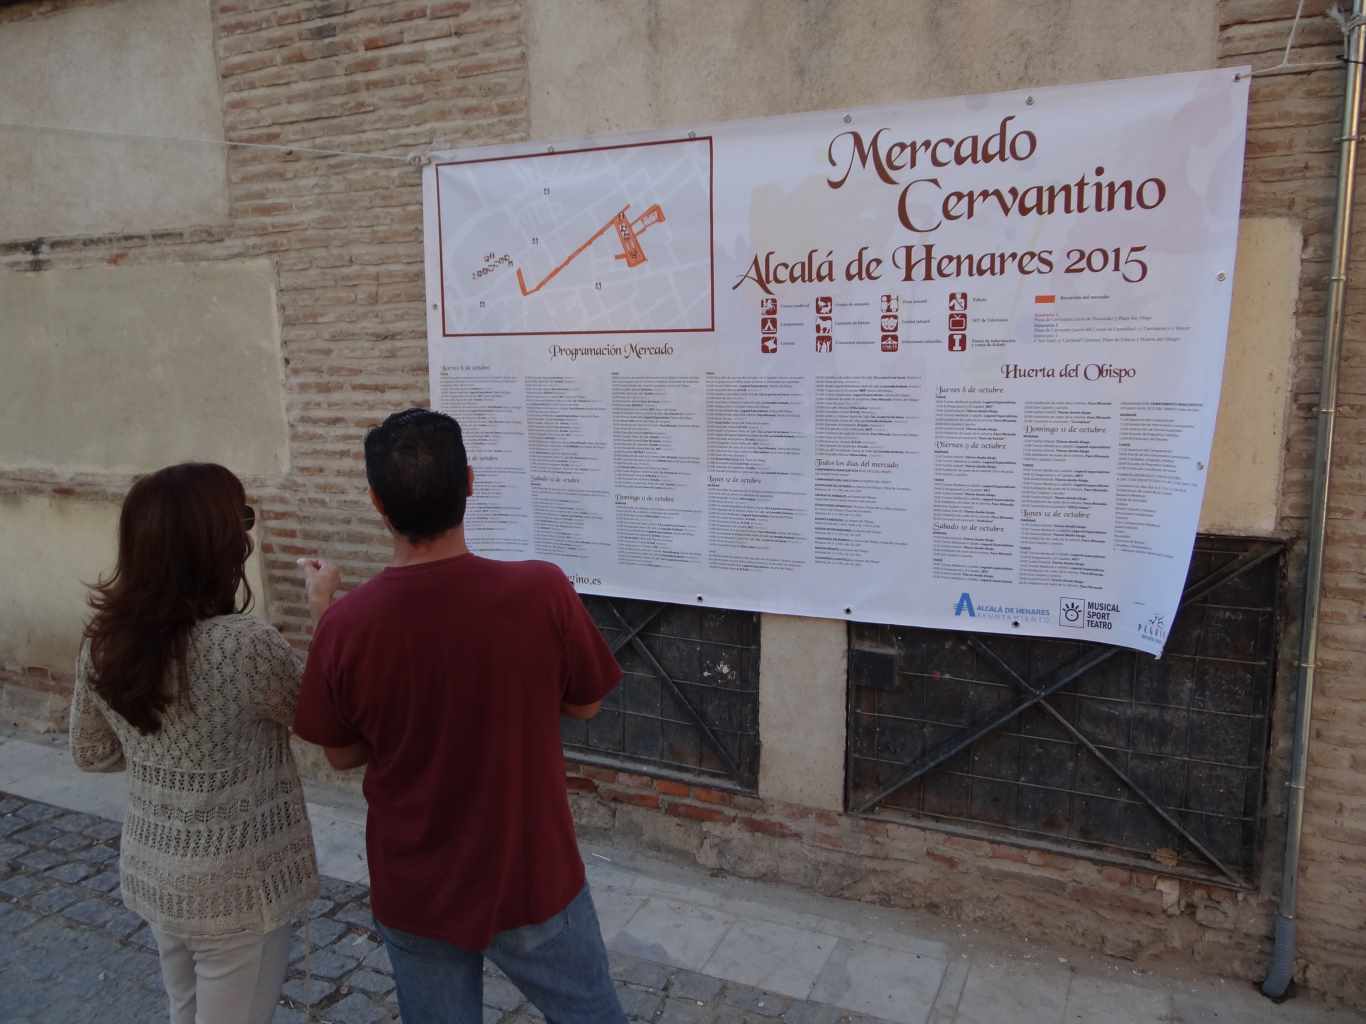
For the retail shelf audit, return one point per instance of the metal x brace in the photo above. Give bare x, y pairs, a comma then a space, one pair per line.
653, 614
1076, 734
1194, 593
633, 637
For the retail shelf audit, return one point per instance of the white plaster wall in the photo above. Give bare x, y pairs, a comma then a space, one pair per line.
139, 66
802, 674
127, 369
50, 547
1242, 490
620, 65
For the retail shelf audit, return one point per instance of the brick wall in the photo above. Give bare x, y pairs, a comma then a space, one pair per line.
1291, 169
399, 77
1030, 892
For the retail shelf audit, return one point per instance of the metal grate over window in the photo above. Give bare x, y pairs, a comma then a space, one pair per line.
1128, 757
689, 701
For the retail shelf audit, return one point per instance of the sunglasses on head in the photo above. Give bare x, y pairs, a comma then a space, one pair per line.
248, 517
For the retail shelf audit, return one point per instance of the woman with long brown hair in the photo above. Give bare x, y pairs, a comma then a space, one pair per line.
194, 698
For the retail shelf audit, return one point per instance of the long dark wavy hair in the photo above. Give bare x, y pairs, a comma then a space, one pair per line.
183, 547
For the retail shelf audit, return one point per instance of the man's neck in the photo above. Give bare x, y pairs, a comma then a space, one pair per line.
450, 544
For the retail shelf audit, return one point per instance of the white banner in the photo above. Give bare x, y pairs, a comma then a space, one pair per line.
951, 364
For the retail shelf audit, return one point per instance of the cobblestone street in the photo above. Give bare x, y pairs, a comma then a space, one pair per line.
71, 952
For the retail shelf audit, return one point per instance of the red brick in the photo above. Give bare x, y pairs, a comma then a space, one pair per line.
1055, 861
831, 840
999, 852
695, 813
669, 788
712, 796
577, 784
264, 209
622, 796
487, 66
871, 829
399, 13
242, 65
768, 828
420, 32
974, 846
381, 40
951, 863
229, 27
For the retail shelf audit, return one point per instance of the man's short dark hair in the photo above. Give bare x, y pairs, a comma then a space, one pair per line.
416, 464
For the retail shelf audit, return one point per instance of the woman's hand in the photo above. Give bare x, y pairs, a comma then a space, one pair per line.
321, 580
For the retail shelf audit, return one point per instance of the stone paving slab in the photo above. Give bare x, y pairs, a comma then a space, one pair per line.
883, 960
882, 981
72, 954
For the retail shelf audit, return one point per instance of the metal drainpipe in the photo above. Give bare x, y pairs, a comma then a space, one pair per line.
1282, 969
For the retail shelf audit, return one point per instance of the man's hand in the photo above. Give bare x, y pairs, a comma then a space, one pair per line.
345, 758
321, 580
581, 712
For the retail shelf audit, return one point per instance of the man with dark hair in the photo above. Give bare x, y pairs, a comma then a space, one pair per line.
418, 472
447, 674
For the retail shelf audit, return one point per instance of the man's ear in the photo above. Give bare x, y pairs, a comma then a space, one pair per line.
469, 481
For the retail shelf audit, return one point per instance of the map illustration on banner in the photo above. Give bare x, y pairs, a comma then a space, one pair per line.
951, 364
556, 242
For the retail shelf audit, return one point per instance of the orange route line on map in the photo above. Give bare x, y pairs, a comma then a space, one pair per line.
628, 234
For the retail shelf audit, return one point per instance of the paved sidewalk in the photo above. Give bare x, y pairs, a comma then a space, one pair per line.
686, 948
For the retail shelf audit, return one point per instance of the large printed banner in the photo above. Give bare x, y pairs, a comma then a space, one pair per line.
951, 364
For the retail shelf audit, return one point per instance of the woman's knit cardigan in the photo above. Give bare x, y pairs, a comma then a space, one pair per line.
216, 839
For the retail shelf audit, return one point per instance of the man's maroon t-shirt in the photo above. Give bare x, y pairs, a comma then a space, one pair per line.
453, 673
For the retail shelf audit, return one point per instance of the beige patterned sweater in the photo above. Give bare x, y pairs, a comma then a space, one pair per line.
216, 838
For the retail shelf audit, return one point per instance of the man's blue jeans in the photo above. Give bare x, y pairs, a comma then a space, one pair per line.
560, 965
